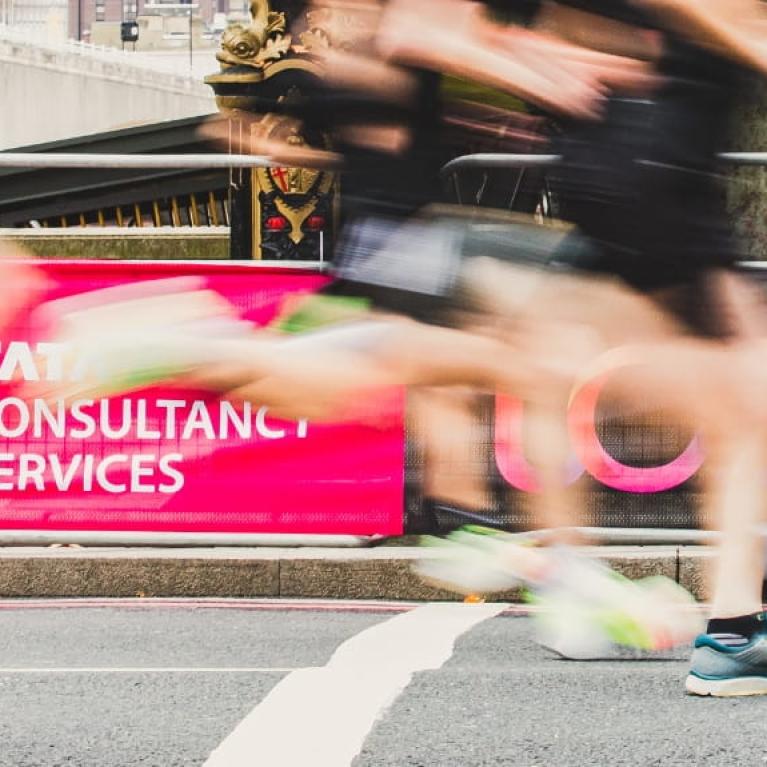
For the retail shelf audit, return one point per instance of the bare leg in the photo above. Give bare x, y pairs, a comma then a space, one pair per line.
736, 499
556, 507
455, 458
321, 375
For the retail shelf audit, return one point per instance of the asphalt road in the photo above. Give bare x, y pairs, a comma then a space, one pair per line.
254, 683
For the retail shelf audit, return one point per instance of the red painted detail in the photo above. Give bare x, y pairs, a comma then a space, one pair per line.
315, 223
276, 223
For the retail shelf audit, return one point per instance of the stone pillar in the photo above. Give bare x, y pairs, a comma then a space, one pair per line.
278, 213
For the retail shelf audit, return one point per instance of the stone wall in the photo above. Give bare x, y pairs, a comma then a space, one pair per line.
51, 94
148, 243
747, 187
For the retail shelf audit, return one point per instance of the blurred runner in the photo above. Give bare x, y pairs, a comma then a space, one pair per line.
643, 185
20, 281
435, 270
478, 315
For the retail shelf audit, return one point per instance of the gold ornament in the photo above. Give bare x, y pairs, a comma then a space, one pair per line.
263, 41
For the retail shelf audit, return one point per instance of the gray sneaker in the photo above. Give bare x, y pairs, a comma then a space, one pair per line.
724, 671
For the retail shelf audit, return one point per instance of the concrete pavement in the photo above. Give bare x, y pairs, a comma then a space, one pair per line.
382, 572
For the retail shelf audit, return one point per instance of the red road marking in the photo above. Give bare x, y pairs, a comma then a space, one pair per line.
200, 604
226, 604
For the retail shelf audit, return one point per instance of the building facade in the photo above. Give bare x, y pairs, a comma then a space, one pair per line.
39, 17
83, 13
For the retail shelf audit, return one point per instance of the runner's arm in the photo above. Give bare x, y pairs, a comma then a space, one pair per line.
733, 28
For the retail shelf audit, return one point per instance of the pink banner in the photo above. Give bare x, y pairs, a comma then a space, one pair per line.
172, 460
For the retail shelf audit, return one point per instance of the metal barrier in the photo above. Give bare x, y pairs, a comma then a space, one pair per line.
38, 160
521, 162
177, 540
498, 161
510, 161
611, 535
204, 161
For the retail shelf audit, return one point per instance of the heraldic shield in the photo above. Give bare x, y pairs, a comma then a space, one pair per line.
294, 209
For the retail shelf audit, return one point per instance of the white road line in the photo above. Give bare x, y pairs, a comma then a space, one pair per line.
150, 670
321, 716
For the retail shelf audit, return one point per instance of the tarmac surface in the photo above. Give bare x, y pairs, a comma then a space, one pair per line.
266, 682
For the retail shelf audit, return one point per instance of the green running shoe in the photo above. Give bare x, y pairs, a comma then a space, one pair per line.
581, 606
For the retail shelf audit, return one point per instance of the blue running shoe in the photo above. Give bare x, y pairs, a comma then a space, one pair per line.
724, 671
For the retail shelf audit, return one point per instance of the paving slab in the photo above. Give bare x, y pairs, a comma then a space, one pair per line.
694, 568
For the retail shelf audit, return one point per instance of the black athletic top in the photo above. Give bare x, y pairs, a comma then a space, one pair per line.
643, 182
394, 184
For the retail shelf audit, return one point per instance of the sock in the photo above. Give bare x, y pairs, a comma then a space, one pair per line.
736, 631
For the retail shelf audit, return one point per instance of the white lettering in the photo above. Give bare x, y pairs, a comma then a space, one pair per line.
142, 422
106, 427
63, 479
31, 468
55, 422
88, 462
243, 423
18, 355
138, 471
170, 406
264, 430
87, 427
7, 429
53, 354
199, 419
101, 474
6, 471
171, 472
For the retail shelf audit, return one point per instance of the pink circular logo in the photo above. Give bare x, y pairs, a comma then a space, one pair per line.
588, 451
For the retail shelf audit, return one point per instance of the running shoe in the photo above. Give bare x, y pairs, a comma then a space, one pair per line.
724, 671
307, 313
582, 607
479, 560
649, 615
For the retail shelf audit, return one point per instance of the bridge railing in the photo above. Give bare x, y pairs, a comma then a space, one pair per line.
489, 161
212, 160
486, 162
39, 38
48, 160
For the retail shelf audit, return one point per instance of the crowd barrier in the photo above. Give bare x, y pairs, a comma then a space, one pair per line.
636, 471
161, 462
168, 461
161, 466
